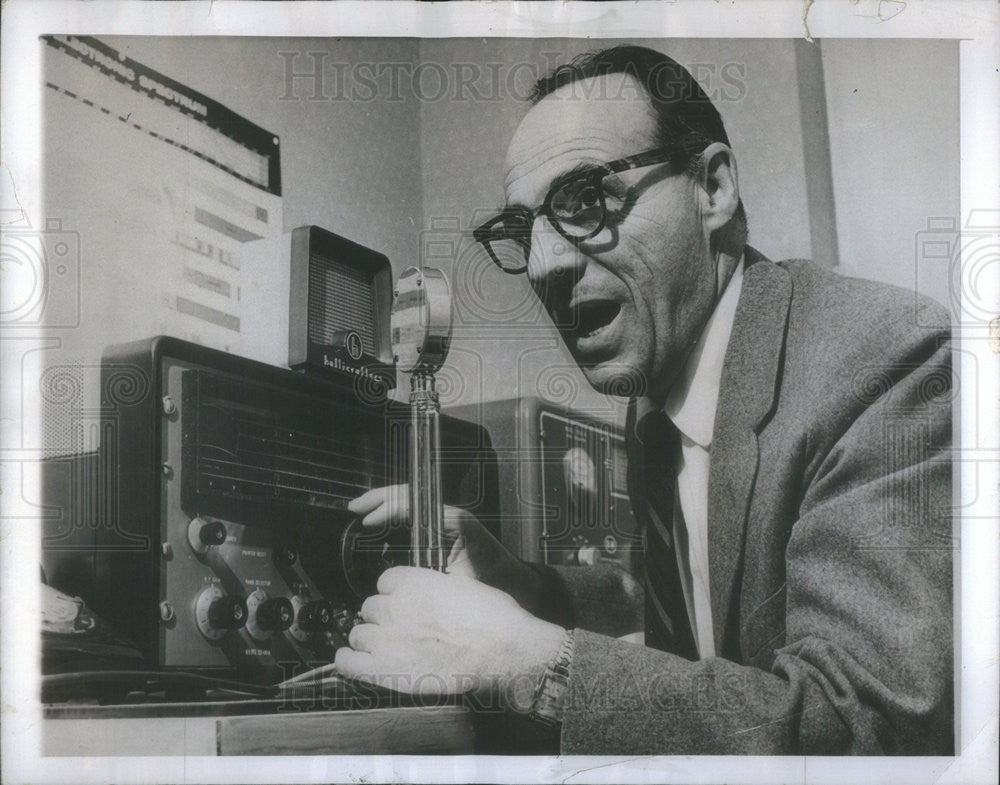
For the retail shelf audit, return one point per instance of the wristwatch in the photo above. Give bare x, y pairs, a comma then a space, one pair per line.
550, 694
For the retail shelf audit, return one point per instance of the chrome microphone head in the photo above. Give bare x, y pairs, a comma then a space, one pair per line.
420, 320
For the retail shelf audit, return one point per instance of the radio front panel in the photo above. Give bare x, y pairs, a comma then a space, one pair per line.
223, 541
563, 477
587, 515
261, 469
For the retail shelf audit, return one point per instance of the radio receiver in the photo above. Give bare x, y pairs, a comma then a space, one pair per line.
212, 528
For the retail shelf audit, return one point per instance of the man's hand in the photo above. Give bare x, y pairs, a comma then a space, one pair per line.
430, 633
475, 553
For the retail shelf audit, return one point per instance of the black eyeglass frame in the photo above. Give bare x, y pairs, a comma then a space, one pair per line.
486, 233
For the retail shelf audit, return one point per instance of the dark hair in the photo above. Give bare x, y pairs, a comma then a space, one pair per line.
687, 117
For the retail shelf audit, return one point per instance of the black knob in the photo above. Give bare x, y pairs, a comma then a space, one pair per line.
228, 613
285, 555
213, 533
316, 616
275, 614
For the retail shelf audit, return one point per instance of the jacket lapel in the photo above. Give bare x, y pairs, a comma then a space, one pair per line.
747, 393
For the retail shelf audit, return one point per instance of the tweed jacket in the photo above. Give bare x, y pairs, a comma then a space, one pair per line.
830, 544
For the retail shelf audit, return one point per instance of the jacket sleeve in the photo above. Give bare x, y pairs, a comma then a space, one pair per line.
602, 598
865, 662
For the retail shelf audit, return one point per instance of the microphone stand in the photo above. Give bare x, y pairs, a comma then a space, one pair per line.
426, 505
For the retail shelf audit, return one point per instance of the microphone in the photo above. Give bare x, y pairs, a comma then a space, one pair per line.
421, 324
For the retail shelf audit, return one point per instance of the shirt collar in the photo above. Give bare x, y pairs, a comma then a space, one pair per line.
694, 397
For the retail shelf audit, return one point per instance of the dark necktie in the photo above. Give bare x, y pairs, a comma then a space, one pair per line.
666, 619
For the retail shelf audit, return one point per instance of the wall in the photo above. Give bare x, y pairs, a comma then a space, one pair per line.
350, 166
894, 144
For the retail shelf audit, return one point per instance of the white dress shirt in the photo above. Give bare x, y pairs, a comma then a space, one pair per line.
691, 406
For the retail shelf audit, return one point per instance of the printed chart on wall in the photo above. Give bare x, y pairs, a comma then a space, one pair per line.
161, 188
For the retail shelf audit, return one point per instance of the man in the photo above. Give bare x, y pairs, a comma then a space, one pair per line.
797, 590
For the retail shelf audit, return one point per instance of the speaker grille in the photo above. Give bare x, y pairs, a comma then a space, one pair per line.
340, 298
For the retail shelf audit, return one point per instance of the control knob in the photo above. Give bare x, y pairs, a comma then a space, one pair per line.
316, 616
285, 555
203, 534
228, 613
311, 617
216, 612
275, 614
268, 614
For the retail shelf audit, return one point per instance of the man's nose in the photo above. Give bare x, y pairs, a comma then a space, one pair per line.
553, 259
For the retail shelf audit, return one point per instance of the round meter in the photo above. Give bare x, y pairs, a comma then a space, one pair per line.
421, 319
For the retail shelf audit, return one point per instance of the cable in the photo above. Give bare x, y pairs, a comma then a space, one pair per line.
158, 678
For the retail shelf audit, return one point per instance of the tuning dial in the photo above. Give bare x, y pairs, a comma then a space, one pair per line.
365, 556
216, 612
203, 534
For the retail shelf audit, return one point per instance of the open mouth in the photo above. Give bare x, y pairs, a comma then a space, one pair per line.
594, 316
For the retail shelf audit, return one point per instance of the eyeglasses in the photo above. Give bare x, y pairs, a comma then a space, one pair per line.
577, 205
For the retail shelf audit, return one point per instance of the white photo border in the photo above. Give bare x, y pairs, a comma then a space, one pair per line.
976, 23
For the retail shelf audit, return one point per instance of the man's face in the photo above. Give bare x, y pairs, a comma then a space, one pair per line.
631, 301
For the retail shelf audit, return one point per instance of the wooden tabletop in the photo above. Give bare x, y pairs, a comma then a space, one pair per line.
413, 730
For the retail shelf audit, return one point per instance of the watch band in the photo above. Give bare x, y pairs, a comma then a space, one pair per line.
550, 695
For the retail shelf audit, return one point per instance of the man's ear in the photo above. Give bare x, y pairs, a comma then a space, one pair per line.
720, 186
